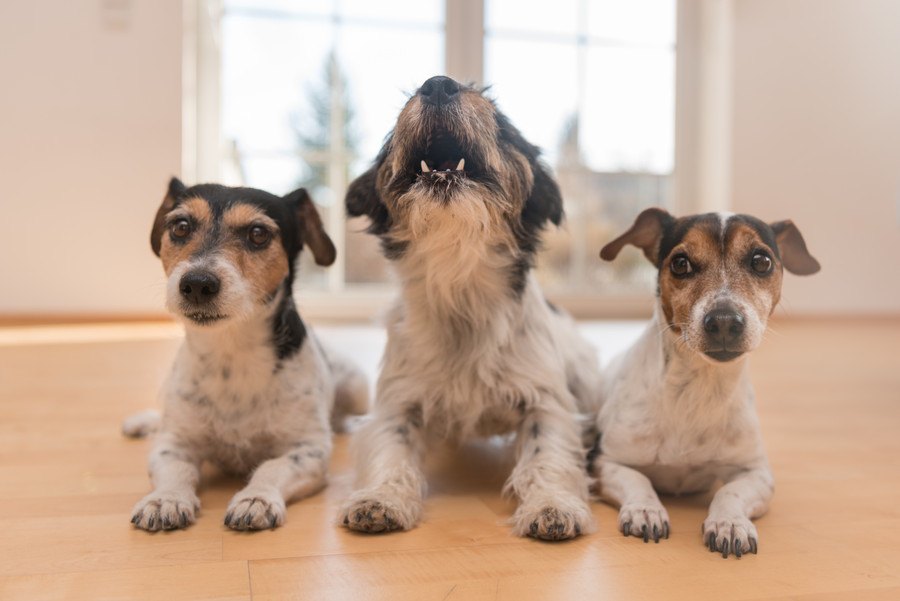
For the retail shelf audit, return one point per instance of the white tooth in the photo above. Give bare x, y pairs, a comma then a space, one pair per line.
462, 163
425, 168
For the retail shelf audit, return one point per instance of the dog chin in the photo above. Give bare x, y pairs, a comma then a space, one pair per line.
204, 319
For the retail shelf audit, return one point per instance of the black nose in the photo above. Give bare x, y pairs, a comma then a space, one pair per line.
199, 286
724, 326
439, 90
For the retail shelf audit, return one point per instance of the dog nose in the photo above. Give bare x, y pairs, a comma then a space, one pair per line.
724, 326
439, 90
199, 286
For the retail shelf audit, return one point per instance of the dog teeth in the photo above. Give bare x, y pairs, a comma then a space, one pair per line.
425, 168
461, 164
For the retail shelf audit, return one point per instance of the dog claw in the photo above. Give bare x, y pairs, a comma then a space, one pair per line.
666, 530
655, 534
737, 548
645, 533
725, 549
626, 528
711, 542
753, 547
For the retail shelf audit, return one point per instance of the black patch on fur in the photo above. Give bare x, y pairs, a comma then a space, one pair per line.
535, 430
288, 330
593, 453
762, 229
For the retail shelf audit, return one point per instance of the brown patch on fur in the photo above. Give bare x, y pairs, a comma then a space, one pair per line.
678, 296
198, 212
762, 292
263, 269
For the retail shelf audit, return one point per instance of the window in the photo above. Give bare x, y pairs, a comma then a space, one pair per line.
308, 90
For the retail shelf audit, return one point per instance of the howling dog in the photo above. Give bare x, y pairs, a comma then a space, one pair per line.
459, 200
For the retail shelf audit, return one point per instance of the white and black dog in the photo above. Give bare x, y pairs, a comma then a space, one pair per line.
459, 199
678, 411
251, 389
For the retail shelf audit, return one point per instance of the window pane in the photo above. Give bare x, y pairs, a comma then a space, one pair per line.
559, 16
633, 21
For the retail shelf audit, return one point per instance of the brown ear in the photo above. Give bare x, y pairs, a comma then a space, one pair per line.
645, 234
794, 255
176, 189
311, 230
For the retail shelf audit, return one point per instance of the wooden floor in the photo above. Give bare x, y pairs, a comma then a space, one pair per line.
829, 398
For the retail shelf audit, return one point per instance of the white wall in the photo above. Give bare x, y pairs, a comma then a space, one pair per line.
816, 138
90, 131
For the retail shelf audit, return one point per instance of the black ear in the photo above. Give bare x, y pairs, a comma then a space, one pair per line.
792, 248
175, 191
545, 201
311, 229
646, 234
363, 199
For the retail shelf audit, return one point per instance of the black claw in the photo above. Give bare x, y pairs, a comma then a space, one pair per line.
228, 517
136, 518
645, 533
272, 521
725, 548
626, 528
534, 528
184, 519
346, 520
711, 542
359, 516
248, 519
753, 545
666, 530
655, 534
166, 523
577, 529
737, 548
151, 522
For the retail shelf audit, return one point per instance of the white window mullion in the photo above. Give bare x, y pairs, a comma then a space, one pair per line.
464, 40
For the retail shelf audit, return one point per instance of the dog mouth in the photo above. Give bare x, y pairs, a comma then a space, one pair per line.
443, 159
203, 318
723, 355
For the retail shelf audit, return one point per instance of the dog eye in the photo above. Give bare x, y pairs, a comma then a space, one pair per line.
681, 266
761, 263
259, 236
181, 229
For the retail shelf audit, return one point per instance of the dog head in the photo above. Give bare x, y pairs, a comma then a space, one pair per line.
719, 274
228, 251
455, 164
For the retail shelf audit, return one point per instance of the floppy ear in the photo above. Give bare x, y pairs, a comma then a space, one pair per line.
363, 199
545, 202
646, 234
311, 230
176, 189
794, 255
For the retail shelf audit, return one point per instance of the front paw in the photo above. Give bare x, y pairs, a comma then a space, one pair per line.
379, 512
255, 510
165, 510
552, 523
730, 535
644, 520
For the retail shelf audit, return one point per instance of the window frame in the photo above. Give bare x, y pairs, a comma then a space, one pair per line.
702, 135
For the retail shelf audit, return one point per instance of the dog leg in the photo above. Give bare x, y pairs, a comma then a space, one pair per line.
175, 473
641, 513
391, 484
298, 473
549, 478
744, 496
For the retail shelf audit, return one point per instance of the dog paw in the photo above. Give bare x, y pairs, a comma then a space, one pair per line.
646, 521
551, 523
162, 510
374, 516
255, 510
726, 535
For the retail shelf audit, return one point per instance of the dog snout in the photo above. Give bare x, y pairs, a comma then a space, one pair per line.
724, 326
199, 287
439, 90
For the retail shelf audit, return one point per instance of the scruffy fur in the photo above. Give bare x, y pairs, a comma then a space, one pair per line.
473, 347
678, 412
250, 389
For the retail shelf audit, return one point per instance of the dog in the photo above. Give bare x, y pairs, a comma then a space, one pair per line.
251, 389
459, 199
678, 407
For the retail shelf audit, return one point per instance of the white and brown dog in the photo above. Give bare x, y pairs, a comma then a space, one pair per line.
678, 411
251, 389
459, 199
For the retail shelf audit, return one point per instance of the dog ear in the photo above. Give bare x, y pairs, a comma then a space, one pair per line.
363, 199
311, 230
794, 255
175, 190
545, 201
646, 234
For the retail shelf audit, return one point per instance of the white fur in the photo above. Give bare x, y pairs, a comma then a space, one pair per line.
676, 422
465, 357
229, 400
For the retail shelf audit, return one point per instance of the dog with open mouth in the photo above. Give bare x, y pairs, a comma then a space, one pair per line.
251, 390
459, 199
678, 408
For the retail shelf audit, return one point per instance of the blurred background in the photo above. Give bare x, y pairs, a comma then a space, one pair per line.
781, 109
